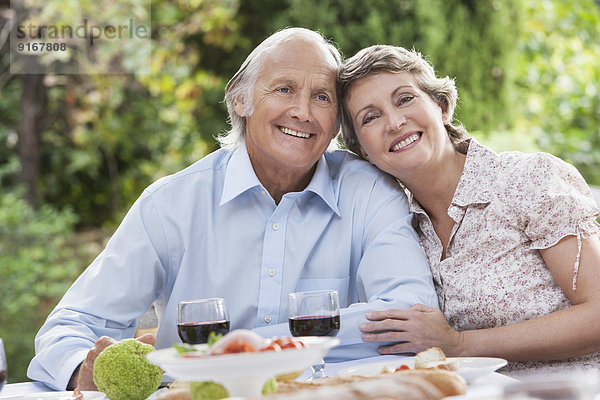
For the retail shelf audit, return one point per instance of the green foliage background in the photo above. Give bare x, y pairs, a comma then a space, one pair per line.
526, 70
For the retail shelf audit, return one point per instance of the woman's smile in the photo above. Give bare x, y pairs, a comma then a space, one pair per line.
406, 142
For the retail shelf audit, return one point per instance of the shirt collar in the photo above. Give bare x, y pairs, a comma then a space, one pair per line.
474, 186
321, 184
240, 177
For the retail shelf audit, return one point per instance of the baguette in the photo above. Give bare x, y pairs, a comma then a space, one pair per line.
389, 387
449, 383
402, 385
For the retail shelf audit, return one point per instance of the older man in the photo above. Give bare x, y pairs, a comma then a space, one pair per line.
266, 215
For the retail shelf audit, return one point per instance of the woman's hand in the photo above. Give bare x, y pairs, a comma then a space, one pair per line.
416, 329
84, 376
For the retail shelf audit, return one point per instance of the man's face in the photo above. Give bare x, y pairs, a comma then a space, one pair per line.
295, 108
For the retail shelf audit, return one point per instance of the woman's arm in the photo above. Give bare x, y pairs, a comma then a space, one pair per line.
567, 333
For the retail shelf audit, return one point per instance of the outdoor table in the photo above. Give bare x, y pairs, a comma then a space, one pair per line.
487, 385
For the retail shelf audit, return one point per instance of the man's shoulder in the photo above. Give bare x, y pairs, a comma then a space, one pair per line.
207, 168
343, 163
352, 176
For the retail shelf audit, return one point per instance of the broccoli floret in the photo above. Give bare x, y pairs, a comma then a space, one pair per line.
207, 390
270, 386
122, 372
210, 390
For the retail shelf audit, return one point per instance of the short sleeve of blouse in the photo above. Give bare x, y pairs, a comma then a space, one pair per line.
560, 201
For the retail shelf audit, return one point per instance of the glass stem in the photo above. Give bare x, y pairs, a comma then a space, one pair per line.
318, 370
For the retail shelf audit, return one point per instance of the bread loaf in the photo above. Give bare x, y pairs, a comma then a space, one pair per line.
449, 383
434, 358
402, 385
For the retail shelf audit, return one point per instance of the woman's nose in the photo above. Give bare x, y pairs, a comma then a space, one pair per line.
395, 120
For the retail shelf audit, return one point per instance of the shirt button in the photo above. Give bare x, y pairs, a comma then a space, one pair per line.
272, 272
267, 318
263, 192
275, 226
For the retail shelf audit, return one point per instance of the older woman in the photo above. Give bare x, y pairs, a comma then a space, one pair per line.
511, 238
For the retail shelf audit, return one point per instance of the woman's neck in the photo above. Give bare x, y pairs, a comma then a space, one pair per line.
434, 185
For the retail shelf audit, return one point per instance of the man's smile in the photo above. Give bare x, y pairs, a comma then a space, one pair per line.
293, 132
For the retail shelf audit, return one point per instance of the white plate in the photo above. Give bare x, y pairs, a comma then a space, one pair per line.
243, 374
54, 396
471, 368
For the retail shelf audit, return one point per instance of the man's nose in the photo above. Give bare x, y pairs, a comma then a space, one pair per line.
301, 108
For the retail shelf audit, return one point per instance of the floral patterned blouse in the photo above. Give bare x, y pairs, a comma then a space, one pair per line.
506, 207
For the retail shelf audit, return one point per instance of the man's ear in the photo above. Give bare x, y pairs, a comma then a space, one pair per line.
239, 106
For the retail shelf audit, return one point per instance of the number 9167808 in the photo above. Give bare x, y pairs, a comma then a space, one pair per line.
41, 47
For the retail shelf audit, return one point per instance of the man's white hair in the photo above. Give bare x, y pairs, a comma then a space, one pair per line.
241, 85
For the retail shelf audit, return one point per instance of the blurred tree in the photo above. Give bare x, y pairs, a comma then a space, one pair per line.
32, 245
109, 136
559, 79
32, 106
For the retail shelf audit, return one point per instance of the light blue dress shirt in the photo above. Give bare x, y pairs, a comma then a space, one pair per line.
212, 230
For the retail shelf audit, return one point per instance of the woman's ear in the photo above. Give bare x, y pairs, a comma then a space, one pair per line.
239, 106
446, 118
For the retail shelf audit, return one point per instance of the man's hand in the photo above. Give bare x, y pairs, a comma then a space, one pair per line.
83, 378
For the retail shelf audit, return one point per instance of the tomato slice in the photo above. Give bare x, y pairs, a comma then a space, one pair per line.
272, 347
402, 368
288, 343
239, 346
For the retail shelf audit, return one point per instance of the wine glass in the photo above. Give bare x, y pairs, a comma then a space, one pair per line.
196, 319
315, 313
2, 365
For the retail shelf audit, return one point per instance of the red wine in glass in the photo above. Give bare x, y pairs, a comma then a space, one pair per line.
315, 313
317, 325
196, 319
198, 332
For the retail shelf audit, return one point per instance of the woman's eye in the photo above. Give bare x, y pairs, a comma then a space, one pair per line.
368, 119
405, 100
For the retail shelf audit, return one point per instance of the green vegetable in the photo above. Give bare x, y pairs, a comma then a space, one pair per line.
184, 347
188, 348
270, 386
208, 390
122, 372
213, 338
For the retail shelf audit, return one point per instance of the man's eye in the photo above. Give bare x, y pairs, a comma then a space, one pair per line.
284, 90
323, 97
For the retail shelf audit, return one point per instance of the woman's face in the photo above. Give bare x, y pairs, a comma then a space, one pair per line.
400, 127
